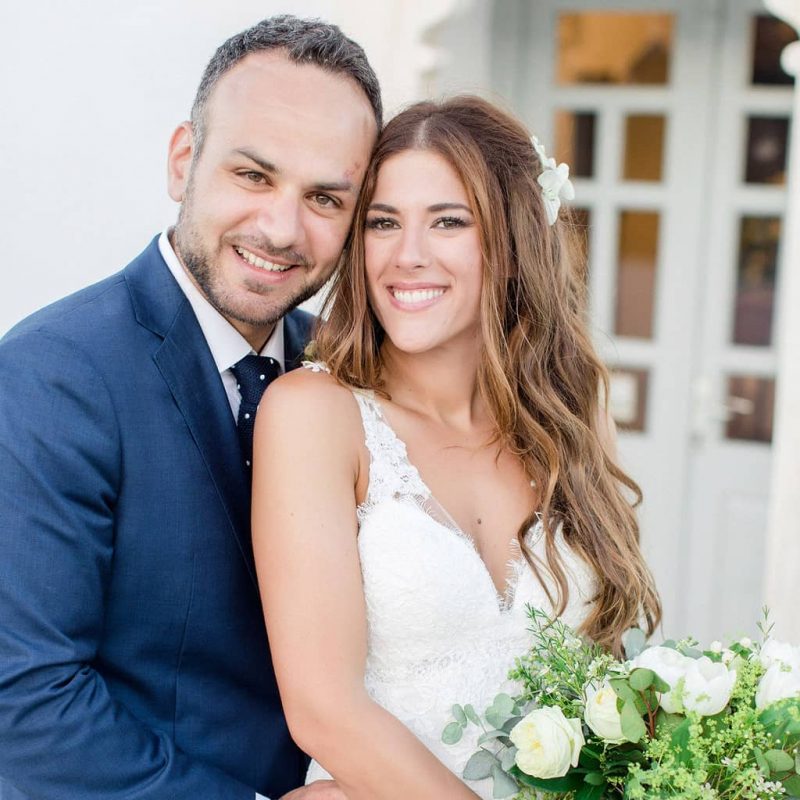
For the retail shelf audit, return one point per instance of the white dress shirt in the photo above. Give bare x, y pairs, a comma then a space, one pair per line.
227, 345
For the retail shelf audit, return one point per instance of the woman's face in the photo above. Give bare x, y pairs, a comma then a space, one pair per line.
423, 255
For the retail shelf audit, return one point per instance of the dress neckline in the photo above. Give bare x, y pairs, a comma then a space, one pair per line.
505, 599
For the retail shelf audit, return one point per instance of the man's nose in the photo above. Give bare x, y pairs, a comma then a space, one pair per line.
280, 219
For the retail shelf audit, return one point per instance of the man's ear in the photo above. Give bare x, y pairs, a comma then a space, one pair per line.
179, 161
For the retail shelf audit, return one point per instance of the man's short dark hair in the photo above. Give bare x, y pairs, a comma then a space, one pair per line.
305, 41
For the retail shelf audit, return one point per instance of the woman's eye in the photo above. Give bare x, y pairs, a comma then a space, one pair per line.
381, 223
450, 222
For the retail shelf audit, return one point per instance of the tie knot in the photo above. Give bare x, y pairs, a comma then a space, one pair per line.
253, 375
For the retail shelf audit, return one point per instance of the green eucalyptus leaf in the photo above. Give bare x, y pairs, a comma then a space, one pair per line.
490, 736
623, 690
680, 737
461, 717
504, 704
779, 761
692, 652
792, 785
479, 765
634, 641
452, 733
495, 718
508, 758
570, 782
511, 723
595, 778
633, 727
590, 792
641, 679
762, 762
660, 685
503, 784
472, 714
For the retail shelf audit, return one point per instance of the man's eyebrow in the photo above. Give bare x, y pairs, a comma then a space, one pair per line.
340, 186
267, 166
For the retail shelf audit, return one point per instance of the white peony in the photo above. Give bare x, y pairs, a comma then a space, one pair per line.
671, 666
601, 713
547, 743
777, 683
773, 651
708, 686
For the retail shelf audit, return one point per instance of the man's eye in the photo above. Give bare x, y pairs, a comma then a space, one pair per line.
326, 201
253, 177
380, 223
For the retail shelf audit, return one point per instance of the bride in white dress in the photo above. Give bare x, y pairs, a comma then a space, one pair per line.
446, 461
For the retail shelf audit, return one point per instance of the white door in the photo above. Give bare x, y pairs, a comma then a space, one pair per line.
673, 117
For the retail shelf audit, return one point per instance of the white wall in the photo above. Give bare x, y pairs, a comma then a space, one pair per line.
90, 91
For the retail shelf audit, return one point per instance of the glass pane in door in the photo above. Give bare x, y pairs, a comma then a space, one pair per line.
759, 238
644, 147
767, 139
575, 140
750, 404
770, 37
614, 47
636, 273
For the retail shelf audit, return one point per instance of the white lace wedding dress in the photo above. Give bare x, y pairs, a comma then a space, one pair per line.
439, 632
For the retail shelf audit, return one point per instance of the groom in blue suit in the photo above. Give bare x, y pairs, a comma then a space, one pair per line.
133, 657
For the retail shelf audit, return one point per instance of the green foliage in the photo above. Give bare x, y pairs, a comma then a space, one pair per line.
742, 753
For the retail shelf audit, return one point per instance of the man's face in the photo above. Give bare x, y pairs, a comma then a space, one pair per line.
267, 203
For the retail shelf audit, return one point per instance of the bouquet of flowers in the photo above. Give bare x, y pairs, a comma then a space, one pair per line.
668, 722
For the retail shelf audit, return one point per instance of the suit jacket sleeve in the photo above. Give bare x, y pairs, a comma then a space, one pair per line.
61, 733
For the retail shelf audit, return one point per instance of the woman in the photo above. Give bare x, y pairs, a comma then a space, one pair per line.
444, 464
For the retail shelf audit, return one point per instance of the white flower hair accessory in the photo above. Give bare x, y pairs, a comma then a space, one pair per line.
555, 182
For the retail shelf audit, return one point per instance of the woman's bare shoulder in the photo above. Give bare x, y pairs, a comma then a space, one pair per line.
312, 399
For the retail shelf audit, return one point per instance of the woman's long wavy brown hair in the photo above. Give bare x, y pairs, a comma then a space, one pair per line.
539, 374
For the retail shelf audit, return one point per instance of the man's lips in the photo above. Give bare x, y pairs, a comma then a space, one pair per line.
261, 263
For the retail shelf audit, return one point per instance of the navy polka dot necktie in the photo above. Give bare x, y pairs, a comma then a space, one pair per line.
253, 375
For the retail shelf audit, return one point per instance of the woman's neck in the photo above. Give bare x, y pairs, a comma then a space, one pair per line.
441, 384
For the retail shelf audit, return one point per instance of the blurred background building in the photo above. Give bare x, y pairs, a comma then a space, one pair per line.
676, 118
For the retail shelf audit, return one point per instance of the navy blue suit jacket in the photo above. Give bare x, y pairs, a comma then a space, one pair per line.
133, 657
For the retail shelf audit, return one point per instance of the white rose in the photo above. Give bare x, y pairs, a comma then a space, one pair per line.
773, 651
715, 647
778, 682
707, 687
547, 743
601, 713
671, 666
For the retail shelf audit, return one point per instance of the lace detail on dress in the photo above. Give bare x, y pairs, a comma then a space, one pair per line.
438, 632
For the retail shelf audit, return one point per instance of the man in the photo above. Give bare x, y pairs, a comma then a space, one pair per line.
133, 657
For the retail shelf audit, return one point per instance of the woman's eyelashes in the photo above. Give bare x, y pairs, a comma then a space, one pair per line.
443, 223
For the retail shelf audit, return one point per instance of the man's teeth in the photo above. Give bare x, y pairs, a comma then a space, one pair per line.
416, 295
253, 259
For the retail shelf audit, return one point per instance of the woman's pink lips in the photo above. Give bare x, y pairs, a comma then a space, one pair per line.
420, 306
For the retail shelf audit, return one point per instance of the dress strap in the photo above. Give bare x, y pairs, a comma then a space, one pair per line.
391, 475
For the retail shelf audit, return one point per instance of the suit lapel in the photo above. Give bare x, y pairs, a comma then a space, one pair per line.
186, 364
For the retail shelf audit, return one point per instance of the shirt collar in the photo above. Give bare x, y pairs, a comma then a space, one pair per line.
227, 345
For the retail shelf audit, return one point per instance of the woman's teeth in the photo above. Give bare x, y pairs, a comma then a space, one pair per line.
416, 295
253, 259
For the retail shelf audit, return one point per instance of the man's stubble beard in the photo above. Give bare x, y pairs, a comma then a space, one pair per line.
201, 266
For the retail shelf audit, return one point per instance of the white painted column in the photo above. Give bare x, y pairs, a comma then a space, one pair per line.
783, 536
